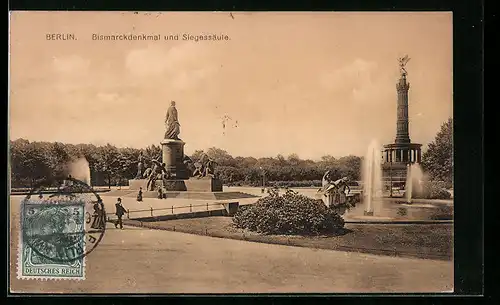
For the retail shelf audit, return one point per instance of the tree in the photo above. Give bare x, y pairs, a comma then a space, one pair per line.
128, 162
293, 159
328, 159
108, 162
196, 156
30, 162
437, 160
58, 157
228, 174
281, 160
152, 152
248, 162
220, 156
350, 167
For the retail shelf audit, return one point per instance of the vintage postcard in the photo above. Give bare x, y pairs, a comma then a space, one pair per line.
231, 152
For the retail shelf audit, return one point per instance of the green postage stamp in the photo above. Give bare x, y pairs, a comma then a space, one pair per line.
56, 234
52, 240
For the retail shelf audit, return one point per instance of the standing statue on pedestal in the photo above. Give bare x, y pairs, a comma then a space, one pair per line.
173, 128
140, 166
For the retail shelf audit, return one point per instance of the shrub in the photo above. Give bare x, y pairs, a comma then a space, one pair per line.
289, 214
304, 183
432, 190
281, 184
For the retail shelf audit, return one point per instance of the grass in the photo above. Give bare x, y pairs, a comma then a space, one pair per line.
427, 241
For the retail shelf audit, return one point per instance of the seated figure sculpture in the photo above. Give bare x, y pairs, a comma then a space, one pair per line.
199, 167
210, 168
334, 192
341, 186
147, 172
158, 172
205, 167
188, 164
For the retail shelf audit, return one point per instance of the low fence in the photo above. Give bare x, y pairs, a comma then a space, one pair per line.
50, 190
171, 210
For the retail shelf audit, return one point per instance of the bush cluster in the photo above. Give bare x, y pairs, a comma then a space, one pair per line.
280, 184
288, 214
305, 183
432, 190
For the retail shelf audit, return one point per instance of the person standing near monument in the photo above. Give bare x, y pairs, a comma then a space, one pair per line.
139, 195
120, 211
172, 123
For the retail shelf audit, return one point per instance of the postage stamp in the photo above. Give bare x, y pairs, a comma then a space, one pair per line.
58, 231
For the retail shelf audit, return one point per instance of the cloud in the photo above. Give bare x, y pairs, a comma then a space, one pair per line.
186, 79
182, 66
73, 64
107, 97
350, 76
146, 62
155, 61
357, 82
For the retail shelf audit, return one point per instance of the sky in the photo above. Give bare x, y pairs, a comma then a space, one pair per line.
312, 84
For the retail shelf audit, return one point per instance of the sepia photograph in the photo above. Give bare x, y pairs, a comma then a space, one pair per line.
230, 152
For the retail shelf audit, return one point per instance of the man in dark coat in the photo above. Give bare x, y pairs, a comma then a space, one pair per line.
139, 196
120, 211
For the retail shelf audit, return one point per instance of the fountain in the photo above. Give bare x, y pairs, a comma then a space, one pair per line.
372, 177
80, 170
414, 176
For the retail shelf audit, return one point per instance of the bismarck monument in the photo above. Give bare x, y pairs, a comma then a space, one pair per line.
172, 147
176, 172
398, 155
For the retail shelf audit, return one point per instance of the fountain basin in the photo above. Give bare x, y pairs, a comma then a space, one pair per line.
390, 210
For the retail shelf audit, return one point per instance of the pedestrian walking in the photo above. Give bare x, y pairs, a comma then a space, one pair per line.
120, 211
99, 216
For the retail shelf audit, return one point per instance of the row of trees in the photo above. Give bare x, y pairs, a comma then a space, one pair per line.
35, 161
109, 165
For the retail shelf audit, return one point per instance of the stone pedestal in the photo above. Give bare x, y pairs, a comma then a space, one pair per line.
136, 184
205, 184
172, 155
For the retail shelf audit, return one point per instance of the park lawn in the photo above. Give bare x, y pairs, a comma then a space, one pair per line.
427, 241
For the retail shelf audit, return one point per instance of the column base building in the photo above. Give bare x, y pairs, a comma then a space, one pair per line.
398, 155
396, 158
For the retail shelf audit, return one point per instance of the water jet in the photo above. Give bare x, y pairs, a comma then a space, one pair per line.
372, 177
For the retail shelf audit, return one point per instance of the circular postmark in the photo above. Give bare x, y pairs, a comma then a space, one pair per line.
64, 223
